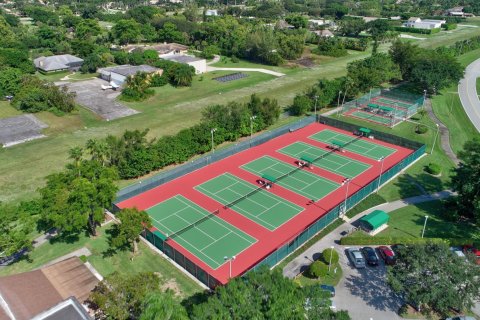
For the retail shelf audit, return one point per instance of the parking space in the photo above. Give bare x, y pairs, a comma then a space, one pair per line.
90, 95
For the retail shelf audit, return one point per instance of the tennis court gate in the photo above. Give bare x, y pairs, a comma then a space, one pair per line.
403, 106
289, 247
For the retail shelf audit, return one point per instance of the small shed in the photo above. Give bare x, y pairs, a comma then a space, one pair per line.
375, 220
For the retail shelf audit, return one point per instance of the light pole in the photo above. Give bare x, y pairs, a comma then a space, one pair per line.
230, 261
213, 146
424, 225
424, 98
331, 254
346, 182
316, 99
251, 128
381, 171
435, 139
338, 99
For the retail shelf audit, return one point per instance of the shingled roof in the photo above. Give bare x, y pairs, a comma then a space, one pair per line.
59, 62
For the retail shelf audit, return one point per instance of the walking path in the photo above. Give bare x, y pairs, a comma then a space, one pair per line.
467, 90
444, 133
273, 73
299, 264
216, 58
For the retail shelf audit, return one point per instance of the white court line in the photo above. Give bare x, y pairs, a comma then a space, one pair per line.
208, 245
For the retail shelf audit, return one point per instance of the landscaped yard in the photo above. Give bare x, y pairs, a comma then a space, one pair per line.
332, 278
408, 222
105, 263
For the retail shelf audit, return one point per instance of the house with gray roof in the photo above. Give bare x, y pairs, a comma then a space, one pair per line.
57, 63
119, 74
199, 64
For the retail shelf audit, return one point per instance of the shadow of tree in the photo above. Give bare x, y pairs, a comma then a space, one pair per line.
113, 247
376, 292
69, 238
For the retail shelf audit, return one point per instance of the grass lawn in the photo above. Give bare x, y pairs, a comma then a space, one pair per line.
7, 111
331, 279
402, 186
446, 38
72, 76
226, 62
146, 260
408, 222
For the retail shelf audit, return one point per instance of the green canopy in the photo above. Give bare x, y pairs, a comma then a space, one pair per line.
365, 130
307, 159
375, 219
160, 235
338, 143
269, 177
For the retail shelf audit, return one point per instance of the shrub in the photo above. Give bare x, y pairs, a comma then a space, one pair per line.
330, 252
317, 269
235, 59
449, 26
433, 168
158, 80
83, 258
421, 129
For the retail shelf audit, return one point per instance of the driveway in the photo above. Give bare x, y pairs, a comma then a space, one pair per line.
467, 91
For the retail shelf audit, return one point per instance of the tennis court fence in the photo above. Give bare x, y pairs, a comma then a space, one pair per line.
205, 160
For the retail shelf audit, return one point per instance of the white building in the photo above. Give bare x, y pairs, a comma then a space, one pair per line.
418, 23
211, 12
119, 74
199, 64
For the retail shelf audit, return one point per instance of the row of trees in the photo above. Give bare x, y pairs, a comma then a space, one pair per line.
263, 294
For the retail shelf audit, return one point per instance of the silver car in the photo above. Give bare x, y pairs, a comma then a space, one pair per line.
356, 257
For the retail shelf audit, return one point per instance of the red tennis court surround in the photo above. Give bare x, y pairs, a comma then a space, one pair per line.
267, 241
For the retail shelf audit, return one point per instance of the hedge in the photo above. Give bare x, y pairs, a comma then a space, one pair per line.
415, 30
401, 240
317, 269
433, 168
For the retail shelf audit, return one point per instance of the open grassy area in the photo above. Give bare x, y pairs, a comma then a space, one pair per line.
408, 222
72, 76
446, 38
7, 111
106, 263
403, 186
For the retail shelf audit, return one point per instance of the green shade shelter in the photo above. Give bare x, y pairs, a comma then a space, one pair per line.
160, 235
307, 159
375, 219
269, 177
365, 130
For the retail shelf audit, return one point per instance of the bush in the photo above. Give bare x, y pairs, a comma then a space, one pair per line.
235, 59
415, 30
433, 168
158, 80
330, 252
421, 129
317, 269
83, 258
449, 26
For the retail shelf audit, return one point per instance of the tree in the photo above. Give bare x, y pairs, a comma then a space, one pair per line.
137, 86
91, 63
330, 255
10, 80
264, 294
181, 74
15, 227
87, 28
301, 105
298, 21
318, 269
465, 181
378, 30
127, 233
169, 33
432, 278
352, 27
122, 297
404, 54
162, 306
126, 31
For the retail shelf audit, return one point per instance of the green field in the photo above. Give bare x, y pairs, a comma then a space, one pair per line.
7, 111
106, 263
258, 205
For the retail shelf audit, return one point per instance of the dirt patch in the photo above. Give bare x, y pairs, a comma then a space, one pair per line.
306, 62
172, 285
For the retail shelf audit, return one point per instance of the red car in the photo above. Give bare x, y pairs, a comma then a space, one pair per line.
387, 255
468, 248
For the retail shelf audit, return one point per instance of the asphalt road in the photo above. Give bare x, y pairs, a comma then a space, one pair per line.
468, 93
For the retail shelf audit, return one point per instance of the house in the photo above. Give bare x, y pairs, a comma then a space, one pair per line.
455, 12
58, 63
282, 25
119, 74
53, 292
314, 23
162, 48
211, 13
418, 23
324, 33
199, 64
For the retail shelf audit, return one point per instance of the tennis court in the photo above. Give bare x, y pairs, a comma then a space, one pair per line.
394, 103
328, 160
365, 148
194, 228
370, 117
299, 181
257, 204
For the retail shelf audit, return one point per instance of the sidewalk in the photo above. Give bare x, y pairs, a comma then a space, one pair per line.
298, 265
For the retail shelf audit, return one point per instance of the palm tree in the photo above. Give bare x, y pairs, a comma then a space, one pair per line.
76, 153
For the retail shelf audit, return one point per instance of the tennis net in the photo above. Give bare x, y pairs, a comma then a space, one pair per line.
234, 202
202, 219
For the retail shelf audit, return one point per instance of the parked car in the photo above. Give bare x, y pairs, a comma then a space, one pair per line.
458, 252
387, 255
328, 288
471, 249
370, 256
356, 257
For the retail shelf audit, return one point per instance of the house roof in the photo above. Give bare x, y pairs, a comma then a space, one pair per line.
129, 70
324, 33
30, 293
69, 309
161, 48
182, 58
375, 219
56, 62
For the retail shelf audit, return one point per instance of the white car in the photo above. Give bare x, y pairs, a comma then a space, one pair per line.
356, 257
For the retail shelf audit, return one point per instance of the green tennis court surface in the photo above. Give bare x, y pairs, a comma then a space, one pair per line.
263, 207
395, 103
371, 117
362, 147
210, 240
331, 161
301, 181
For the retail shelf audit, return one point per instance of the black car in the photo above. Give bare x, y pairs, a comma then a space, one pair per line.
370, 256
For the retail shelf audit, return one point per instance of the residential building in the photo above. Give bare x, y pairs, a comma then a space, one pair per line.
418, 23
58, 63
211, 13
162, 48
53, 292
324, 33
119, 74
199, 64
455, 12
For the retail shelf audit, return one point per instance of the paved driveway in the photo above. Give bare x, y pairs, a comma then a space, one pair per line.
365, 293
